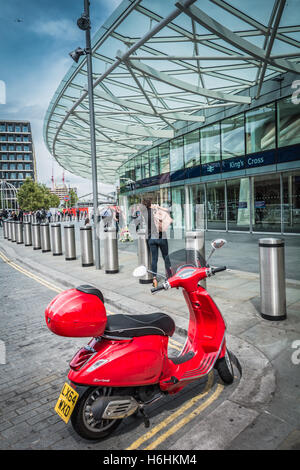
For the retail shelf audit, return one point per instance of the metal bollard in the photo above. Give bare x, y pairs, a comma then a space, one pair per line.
86, 242
70, 245
27, 234
272, 279
195, 240
111, 251
5, 228
13, 231
45, 237
9, 230
56, 239
144, 256
36, 236
19, 232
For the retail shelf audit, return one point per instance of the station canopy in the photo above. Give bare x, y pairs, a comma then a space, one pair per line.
156, 62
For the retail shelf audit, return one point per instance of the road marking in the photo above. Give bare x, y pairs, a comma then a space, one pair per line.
173, 344
49, 285
176, 414
186, 419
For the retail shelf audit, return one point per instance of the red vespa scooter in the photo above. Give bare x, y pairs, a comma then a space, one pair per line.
126, 365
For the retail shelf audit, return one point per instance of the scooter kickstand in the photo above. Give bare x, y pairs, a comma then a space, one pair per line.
146, 418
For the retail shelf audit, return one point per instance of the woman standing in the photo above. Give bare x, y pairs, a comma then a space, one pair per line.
157, 220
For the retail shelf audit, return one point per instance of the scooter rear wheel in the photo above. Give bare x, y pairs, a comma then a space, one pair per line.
225, 369
83, 421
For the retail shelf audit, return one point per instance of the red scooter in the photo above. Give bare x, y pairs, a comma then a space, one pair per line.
126, 365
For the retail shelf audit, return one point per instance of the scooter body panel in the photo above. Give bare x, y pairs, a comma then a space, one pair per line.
123, 363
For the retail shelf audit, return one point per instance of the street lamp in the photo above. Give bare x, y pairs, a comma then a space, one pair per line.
84, 24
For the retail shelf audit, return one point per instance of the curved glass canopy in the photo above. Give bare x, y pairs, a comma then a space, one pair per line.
157, 62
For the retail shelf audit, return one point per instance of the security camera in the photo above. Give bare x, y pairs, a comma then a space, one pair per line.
77, 53
83, 22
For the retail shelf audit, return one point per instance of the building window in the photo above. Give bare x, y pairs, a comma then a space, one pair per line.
260, 129
17, 129
216, 214
27, 166
153, 161
288, 122
19, 148
20, 176
267, 204
238, 204
26, 157
3, 147
233, 137
177, 213
176, 154
191, 149
4, 156
138, 168
145, 165
12, 157
13, 176
10, 128
164, 162
3, 138
291, 202
210, 143
10, 138
25, 128
25, 138
28, 175
4, 166
197, 206
2, 128
12, 166
20, 166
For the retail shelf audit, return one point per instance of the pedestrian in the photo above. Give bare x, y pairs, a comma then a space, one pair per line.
86, 221
49, 215
157, 221
77, 214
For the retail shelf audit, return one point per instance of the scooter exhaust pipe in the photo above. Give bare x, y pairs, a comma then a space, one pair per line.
114, 407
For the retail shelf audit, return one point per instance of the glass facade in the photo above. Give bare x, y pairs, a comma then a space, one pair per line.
13, 146
257, 201
210, 147
260, 129
288, 120
176, 154
233, 137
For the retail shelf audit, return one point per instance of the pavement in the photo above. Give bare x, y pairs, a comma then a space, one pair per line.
261, 410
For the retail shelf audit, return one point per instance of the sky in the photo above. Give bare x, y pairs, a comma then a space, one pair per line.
36, 37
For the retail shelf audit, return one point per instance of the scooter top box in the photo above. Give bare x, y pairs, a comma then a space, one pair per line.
77, 312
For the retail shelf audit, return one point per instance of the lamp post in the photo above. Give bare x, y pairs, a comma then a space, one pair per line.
84, 23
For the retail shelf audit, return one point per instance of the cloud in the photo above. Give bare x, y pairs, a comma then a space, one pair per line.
62, 29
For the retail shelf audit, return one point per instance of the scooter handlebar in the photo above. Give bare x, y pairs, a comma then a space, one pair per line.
217, 270
157, 289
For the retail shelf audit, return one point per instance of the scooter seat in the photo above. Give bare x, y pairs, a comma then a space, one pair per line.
130, 326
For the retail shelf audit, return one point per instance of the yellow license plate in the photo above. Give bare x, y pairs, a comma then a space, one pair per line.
66, 402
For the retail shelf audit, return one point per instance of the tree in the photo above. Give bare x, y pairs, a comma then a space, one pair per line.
33, 196
73, 197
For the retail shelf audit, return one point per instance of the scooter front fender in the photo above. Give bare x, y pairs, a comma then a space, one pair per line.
124, 363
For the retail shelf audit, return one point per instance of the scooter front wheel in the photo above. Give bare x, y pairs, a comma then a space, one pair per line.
225, 369
85, 423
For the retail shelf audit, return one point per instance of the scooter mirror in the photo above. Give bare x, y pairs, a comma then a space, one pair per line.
140, 271
218, 243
